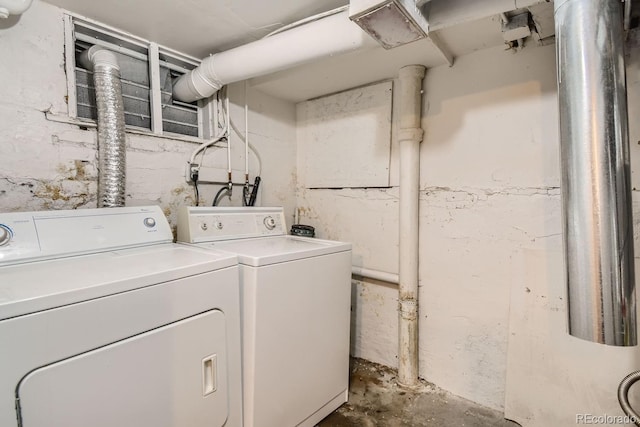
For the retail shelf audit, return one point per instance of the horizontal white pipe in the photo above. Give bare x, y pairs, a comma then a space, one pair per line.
326, 37
13, 7
375, 274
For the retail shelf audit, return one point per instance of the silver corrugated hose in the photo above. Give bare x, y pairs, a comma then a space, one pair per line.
111, 135
596, 188
623, 396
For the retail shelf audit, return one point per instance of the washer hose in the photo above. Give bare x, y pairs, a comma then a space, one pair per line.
216, 199
623, 396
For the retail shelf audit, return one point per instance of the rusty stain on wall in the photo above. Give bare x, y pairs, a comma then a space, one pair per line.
37, 194
181, 195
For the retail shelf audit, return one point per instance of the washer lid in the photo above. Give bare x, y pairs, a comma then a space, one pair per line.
272, 250
36, 286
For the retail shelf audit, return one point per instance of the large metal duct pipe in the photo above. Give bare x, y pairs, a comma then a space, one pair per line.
111, 134
410, 136
595, 171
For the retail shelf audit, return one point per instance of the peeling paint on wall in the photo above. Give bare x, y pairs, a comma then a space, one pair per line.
50, 164
489, 187
38, 194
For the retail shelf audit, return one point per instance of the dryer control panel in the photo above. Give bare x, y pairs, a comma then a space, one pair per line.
210, 224
30, 236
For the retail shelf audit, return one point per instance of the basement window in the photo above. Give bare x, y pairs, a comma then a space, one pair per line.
147, 73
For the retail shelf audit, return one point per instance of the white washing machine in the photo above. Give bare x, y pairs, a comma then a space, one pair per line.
295, 304
105, 322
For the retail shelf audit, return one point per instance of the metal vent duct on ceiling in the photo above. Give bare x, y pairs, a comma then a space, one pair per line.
391, 23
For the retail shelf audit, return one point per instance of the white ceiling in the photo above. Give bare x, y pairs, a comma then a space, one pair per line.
203, 27
198, 27
347, 71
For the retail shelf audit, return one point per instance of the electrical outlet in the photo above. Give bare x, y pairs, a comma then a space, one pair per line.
191, 168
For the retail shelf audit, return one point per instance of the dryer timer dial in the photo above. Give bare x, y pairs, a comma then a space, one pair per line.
5, 235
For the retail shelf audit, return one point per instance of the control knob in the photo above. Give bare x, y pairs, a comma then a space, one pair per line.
5, 235
270, 223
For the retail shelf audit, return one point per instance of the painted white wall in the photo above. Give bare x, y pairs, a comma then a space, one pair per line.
490, 213
492, 291
553, 378
489, 186
491, 170
51, 165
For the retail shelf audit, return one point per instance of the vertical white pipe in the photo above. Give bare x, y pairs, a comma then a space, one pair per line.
410, 135
228, 132
246, 131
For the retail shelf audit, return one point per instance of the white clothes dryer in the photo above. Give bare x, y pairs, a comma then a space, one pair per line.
295, 305
105, 322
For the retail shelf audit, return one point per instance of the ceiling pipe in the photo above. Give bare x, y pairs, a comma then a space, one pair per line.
13, 7
596, 189
111, 127
329, 36
410, 136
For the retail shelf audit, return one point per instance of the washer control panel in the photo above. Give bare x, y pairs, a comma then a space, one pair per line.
208, 224
28, 236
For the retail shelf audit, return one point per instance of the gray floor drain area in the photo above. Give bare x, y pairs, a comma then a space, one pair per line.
375, 400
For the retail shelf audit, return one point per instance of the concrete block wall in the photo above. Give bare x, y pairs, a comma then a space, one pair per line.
492, 313
490, 208
46, 164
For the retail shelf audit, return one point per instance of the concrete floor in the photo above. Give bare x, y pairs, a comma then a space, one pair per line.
376, 401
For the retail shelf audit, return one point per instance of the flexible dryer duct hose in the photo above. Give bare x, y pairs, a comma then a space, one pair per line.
111, 134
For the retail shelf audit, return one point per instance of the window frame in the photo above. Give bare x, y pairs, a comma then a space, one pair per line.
207, 108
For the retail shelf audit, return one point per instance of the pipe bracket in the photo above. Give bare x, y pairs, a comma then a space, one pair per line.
408, 309
412, 134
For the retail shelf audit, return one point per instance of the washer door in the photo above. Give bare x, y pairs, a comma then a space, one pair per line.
173, 376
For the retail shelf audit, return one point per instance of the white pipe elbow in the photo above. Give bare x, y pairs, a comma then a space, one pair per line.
13, 7
97, 56
197, 84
